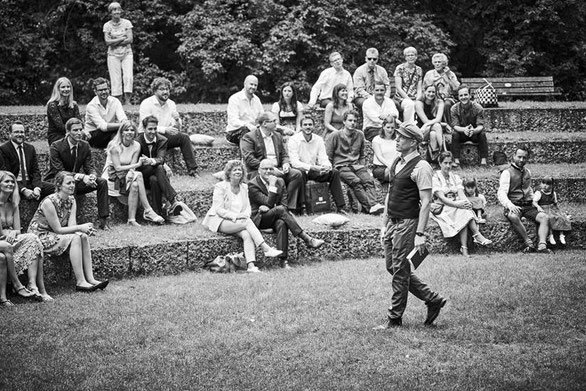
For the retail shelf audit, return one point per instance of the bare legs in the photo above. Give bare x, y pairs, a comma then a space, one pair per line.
81, 261
3, 278
250, 235
136, 193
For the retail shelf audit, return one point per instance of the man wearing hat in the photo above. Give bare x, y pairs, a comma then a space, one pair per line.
405, 219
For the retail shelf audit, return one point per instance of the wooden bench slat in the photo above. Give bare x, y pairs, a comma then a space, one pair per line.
509, 79
511, 85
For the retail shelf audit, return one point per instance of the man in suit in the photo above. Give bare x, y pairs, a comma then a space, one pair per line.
265, 143
73, 154
268, 202
153, 146
20, 158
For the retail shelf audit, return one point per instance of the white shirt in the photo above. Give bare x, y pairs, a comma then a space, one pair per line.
242, 110
328, 79
98, 116
303, 154
164, 113
388, 149
372, 111
269, 147
16, 146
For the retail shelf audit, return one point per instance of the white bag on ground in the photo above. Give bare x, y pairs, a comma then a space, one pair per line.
332, 219
201, 139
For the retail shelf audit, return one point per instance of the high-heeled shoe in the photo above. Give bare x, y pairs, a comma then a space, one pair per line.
102, 285
86, 289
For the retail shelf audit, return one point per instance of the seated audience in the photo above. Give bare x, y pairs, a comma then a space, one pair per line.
307, 152
164, 109
335, 110
268, 200
103, 115
468, 125
153, 147
385, 151
345, 149
321, 92
546, 200
55, 224
516, 195
408, 81
24, 251
430, 111
20, 158
265, 143
125, 182
288, 110
445, 81
244, 107
72, 154
375, 110
230, 214
456, 216
367, 75
60, 108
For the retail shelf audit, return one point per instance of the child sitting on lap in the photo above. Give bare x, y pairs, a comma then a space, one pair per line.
478, 200
545, 200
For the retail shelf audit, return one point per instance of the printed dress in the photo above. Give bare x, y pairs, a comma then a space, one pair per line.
451, 220
26, 247
53, 243
558, 221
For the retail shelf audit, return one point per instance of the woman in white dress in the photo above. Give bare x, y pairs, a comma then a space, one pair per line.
124, 182
230, 214
456, 216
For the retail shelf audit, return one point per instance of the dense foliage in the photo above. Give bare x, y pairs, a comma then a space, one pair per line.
206, 47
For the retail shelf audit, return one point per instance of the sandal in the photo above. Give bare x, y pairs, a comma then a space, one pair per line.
481, 240
23, 292
6, 303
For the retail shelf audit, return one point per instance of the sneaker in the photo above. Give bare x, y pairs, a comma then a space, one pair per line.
563, 239
552, 240
391, 323
253, 269
272, 253
433, 310
542, 248
150, 215
377, 209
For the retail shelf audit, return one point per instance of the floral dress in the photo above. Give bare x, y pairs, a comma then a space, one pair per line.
53, 243
26, 248
451, 220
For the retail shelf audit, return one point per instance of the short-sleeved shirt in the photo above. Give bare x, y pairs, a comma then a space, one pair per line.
118, 30
471, 114
410, 79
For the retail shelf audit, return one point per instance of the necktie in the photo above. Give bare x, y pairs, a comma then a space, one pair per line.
371, 80
150, 150
74, 155
22, 166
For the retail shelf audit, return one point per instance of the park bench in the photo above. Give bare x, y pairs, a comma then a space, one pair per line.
541, 86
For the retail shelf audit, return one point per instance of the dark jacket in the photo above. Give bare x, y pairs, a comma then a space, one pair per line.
258, 194
253, 149
60, 159
159, 150
10, 162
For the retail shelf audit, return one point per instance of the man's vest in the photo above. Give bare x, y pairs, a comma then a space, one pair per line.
520, 185
403, 201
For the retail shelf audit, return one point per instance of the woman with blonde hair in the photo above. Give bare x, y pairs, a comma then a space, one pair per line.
60, 108
124, 181
230, 214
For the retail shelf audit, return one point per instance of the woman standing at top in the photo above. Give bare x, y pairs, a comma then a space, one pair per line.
334, 114
288, 110
408, 80
118, 37
60, 108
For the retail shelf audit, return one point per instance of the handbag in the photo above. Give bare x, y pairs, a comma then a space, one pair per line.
228, 263
317, 197
436, 208
486, 95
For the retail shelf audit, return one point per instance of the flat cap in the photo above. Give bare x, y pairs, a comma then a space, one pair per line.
410, 131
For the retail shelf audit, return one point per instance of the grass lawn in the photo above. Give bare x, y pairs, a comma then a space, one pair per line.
512, 322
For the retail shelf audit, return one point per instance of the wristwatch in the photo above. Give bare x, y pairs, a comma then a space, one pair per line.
420, 233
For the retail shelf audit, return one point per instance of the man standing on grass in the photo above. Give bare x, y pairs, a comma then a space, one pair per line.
516, 195
407, 212
165, 110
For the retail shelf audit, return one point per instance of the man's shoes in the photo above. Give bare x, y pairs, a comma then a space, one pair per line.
272, 252
314, 243
342, 212
152, 216
104, 225
542, 248
391, 323
433, 310
377, 209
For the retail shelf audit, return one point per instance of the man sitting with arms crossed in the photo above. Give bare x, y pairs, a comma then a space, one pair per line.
20, 158
103, 115
265, 143
468, 124
345, 149
268, 200
160, 106
307, 152
73, 154
244, 107
377, 109
153, 147
321, 92
516, 195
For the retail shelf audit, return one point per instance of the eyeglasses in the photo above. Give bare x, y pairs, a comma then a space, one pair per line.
375, 59
266, 168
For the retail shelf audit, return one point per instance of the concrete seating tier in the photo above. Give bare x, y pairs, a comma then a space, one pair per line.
213, 122
137, 259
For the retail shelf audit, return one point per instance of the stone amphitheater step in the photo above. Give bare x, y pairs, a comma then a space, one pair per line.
501, 120
149, 250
